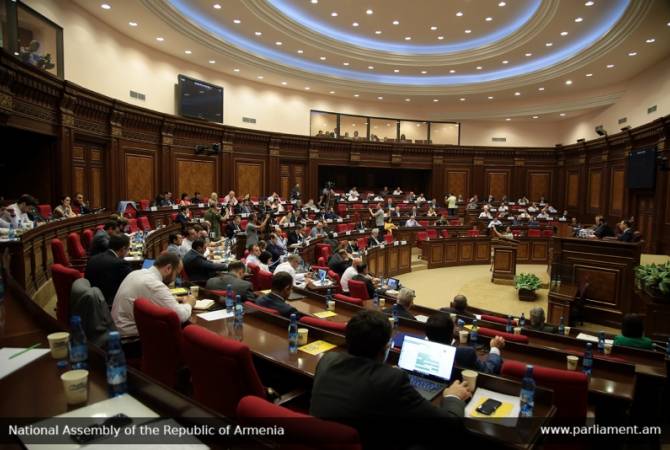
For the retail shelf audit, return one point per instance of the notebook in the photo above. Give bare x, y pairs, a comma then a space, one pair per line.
428, 364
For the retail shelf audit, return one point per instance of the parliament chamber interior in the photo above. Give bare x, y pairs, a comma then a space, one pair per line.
321, 224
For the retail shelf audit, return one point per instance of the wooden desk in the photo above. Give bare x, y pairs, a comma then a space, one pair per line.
477, 250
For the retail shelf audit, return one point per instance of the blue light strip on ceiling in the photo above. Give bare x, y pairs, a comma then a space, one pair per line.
201, 19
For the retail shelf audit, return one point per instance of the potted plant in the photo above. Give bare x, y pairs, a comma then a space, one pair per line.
526, 284
654, 279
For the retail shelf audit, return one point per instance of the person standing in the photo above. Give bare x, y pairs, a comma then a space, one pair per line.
451, 204
378, 217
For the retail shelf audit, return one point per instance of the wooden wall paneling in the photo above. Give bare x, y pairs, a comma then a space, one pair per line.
95, 192
539, 185
518, 186
572, 189
497, 183
595, 190
195, 175
78, 179
617, 191
284, 180
140, 176
457, 181
250, 177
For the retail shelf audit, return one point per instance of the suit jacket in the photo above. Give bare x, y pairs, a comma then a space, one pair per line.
88, 303
402, 312
466, 357
241, 287
106, 271
627, 235
231, 229
373, 243
275, 250
294, 237
100, 242
279, 304
198, 268
369, 394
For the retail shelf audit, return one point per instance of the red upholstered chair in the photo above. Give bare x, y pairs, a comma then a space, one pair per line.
346, 298
334, 276
423, 223
490, 332
445, 234
309, 433
143, 223
76, 252
473, 233
161, 337
145, 204
222, 371
342, 227
570, 387
432, 233
253, 270
132, 225
455, 222
173, 217
533, 232
87, 239
516, 233
264, 280
358, 289
58, 252
130, 212
496, 319
547, 233
252, 305
44, 211
243, 224
337, 327
62, 278
421, 236
362, 243
321, 261
388, 238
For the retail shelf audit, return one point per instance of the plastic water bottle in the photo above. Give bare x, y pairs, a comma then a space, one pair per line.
293, 334
460, 323
78, 346
601, 342
230, 299
522, 320
558, 280
527, 393
508, 327
116, 366
239, 319
587, 363
474, 333
11, 234
561, 327
396, 318
375, 300
329, 297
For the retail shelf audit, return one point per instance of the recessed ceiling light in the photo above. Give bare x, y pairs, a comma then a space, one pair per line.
433, 28
459, 14
468, 31
331, 92
378, 32
188, 52
380, 98
452, 71
284, 83
369, 12
356, 95
609, 66
436, 100
589, 3
632, 54
517, 93
668, 24
479, 67
501, 4
314, 2
355, 24
307, 88
345, 63
396, 22
578, 19
301, 51
371, 67
564, 33
562, 114
334, 14
589, 74
505, 62
439, 38
529, 54
260, 77
650, 41
132, 24
216, 6
462, 99
160, 39
536, 117
212, 61
278, 43
105, 6
407, 100
396, 70
237, 21
568, 82
490, 97
508, 119
236, 70
549, 44
258, 33
408, 38
322, 58
424, 72
488, 19
540, 88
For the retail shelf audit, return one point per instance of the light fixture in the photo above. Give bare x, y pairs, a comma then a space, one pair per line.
540, 88
380, 98
345, 63
278, 43
568, 82
589, 3
549, 44
459, 14
440, 38
536, 117
188, 52
132, 24
396, 22
529, 54
436, 100
650, 41
479, 67
307, 88
258, 33
396, 70
301, 51
160, 39
589, 74
407, 99
462, 99
562, 114
468, 31
508, 119
564, 33
284, 83
260, 77
378, 32
632, 54
212, 61
355, 24
356, 95
322, 58
490, 97
578, 19
314, 2
609, 66
424, 72
369, 12
216, 6
488, 19
331, 92
106, 6
236, 70
433, 28
501, 4
452, 71
505, 61
237, 21
371, 67
517, 93
408, 38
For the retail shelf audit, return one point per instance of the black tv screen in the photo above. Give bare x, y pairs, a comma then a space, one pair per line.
200, 100
642, 168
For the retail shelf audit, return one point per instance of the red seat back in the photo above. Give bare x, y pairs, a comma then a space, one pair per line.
264, 280
547, 233
261, 308
432, 233
87, 239
337, 327
130, 212
496, 319
321, 261
323, 250
63, 277
222, 371
358, 289
423, 223
490, 332
421, 236
132, 225
346, 298
342, 227
473, 233
74, 248
58, 252
445, 233
388, 238
334, 276
308, 433
44, 211
571, 388
144, 204
455, 222
173, 217
160, 333
362, 243
533, 232
143, 223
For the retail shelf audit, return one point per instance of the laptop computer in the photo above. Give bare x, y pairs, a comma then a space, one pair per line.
393, 283
428, 364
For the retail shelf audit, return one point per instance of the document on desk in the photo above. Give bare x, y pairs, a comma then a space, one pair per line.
591, 338
9, 364
510, 408
317, 347
325, 314
421, 318
216, 315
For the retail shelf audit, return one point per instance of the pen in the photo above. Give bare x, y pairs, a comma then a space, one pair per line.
24, 350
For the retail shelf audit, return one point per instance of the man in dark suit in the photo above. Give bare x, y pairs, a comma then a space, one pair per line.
339, 262
100, 242
296, 236
459, 305
233, 278
374, 239
282, 283
537, 321
359, 389
107, 270
274, 248
233, 227
197, 267
603, 230
627, 231
405, 300
440, 328
364, 276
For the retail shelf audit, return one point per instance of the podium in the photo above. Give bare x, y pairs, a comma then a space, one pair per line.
503, 266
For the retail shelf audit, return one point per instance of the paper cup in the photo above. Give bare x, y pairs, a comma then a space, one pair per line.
470, 377
58, 343
517, 330
75, 383
572, 362
331, 305
195, 290
382, 301
463, 336
566, 331
303, 334
453, 316
608, 348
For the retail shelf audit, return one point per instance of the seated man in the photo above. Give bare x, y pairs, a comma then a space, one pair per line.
233, 227
317, 231
100, 242
537, 321
151, 284
363, 275
282, 283
459, 305
254, 255
440, 328
374, 239
274, 248
197, 267
339, 262
189, 237
405, 300
626, 228
349, 274
632, 333
174, 244
107, 270
233, 277
290, 266
359, 389
411, 222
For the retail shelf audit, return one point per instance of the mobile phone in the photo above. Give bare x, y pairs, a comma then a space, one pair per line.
489, 407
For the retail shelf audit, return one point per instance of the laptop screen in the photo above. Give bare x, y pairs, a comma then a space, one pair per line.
427, 358
393, 283
148, 264
322, 274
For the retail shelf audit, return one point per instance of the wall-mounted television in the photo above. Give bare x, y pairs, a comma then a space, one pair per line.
200, 100
642, 168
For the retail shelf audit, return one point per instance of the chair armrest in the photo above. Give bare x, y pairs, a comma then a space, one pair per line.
278, 399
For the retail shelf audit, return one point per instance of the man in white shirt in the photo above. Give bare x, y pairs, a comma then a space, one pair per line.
187, 241
349, 274
150, 284
290, 266
495, 223
397, 191
254, 254
411, 222
485, 215
21, 207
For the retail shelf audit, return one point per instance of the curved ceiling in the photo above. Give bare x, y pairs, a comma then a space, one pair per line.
425, 51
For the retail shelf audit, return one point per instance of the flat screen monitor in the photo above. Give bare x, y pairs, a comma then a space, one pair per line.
428, 358
642, 168
200, 100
